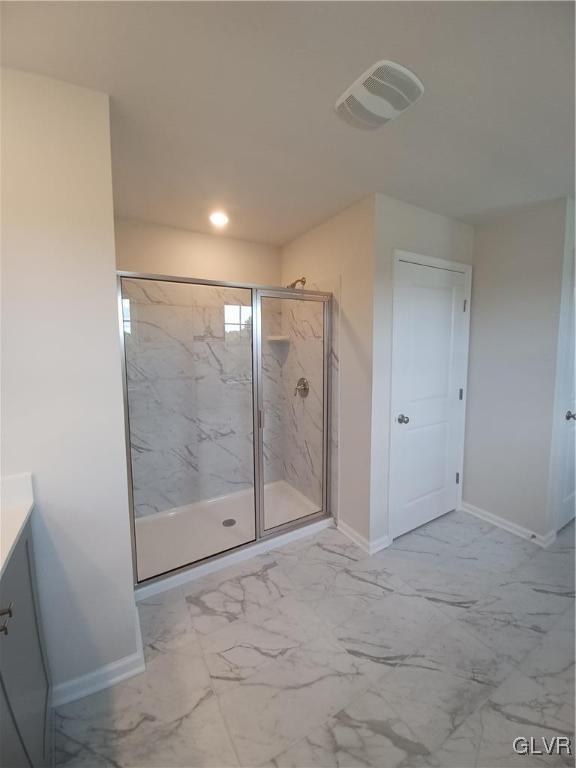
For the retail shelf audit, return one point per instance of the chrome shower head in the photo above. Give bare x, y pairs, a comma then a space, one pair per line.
295, 283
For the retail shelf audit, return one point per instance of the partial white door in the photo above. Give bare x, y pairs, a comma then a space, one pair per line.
429, 365
562, 466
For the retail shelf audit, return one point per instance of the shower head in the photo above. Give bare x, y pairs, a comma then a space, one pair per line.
295, 283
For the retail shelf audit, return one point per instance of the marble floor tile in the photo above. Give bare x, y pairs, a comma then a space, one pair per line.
451, 589
565, 540
454, 530
196, 737
440, 544
165, 622
236, 651
518, 708
434, 653
367, 732
551, 663
336, 592
226, 596
311, 578
173, 694
366, 580
436, 689
552, 572
567, 620
332, 608
283, 702
329, 546
497, 549
389, 630
514, 618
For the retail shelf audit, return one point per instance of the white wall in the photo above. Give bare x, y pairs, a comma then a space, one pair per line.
62, 415
338, 256
514, 326
406, 227
146, 247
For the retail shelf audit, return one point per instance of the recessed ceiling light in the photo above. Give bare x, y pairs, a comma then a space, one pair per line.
219, 219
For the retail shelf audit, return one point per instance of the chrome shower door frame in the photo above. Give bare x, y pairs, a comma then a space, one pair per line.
257, 293
326, 299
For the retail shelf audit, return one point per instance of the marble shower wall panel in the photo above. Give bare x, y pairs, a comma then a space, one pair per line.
273, 358
189, 377
303, 323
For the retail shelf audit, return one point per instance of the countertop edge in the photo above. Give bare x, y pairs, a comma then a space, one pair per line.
17, 503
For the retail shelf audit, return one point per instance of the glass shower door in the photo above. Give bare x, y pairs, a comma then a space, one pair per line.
293, 396
188, 357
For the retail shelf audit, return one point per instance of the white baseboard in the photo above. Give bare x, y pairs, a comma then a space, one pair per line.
259, 548
104, 677
370, 547
518, 530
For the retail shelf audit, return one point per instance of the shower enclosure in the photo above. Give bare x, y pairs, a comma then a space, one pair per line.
226, 401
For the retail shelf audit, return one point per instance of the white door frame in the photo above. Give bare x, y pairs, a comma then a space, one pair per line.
453, 266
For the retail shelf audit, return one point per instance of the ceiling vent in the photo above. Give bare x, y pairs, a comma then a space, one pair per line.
379, 95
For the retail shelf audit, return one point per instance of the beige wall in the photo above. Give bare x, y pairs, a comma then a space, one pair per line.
406, 227
145, 247
354, 250
338, 256
514, 324
62, 415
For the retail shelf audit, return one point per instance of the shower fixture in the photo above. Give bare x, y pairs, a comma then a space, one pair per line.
295, 283
302, 387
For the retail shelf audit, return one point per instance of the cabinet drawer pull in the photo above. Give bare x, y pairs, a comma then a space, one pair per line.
8, 613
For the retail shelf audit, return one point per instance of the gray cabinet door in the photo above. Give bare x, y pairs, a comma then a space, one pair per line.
22, 666
12, 753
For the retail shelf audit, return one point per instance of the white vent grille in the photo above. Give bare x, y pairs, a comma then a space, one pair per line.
379, 95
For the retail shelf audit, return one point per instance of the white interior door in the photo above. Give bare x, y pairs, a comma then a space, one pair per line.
562, 467
429, 365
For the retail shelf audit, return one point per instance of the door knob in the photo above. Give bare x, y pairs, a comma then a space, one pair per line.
570, 415
403, 419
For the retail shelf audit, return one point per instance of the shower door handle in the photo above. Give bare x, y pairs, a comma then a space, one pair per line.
260, 418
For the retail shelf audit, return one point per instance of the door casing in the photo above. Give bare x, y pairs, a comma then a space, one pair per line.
452, 266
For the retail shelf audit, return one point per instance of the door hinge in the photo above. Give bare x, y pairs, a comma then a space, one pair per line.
465, 305
460, 394
457, 478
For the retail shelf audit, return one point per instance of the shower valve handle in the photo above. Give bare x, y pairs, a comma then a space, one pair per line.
302, 387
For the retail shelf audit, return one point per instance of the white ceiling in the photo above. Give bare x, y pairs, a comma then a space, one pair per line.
231, 104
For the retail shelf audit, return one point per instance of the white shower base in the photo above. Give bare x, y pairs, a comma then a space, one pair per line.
283, 503
180, 536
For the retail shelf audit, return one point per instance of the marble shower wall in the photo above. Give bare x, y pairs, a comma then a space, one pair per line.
294, 425
189, 380
273, 395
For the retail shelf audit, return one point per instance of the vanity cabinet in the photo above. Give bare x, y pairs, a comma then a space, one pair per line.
12, 753
24, 681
